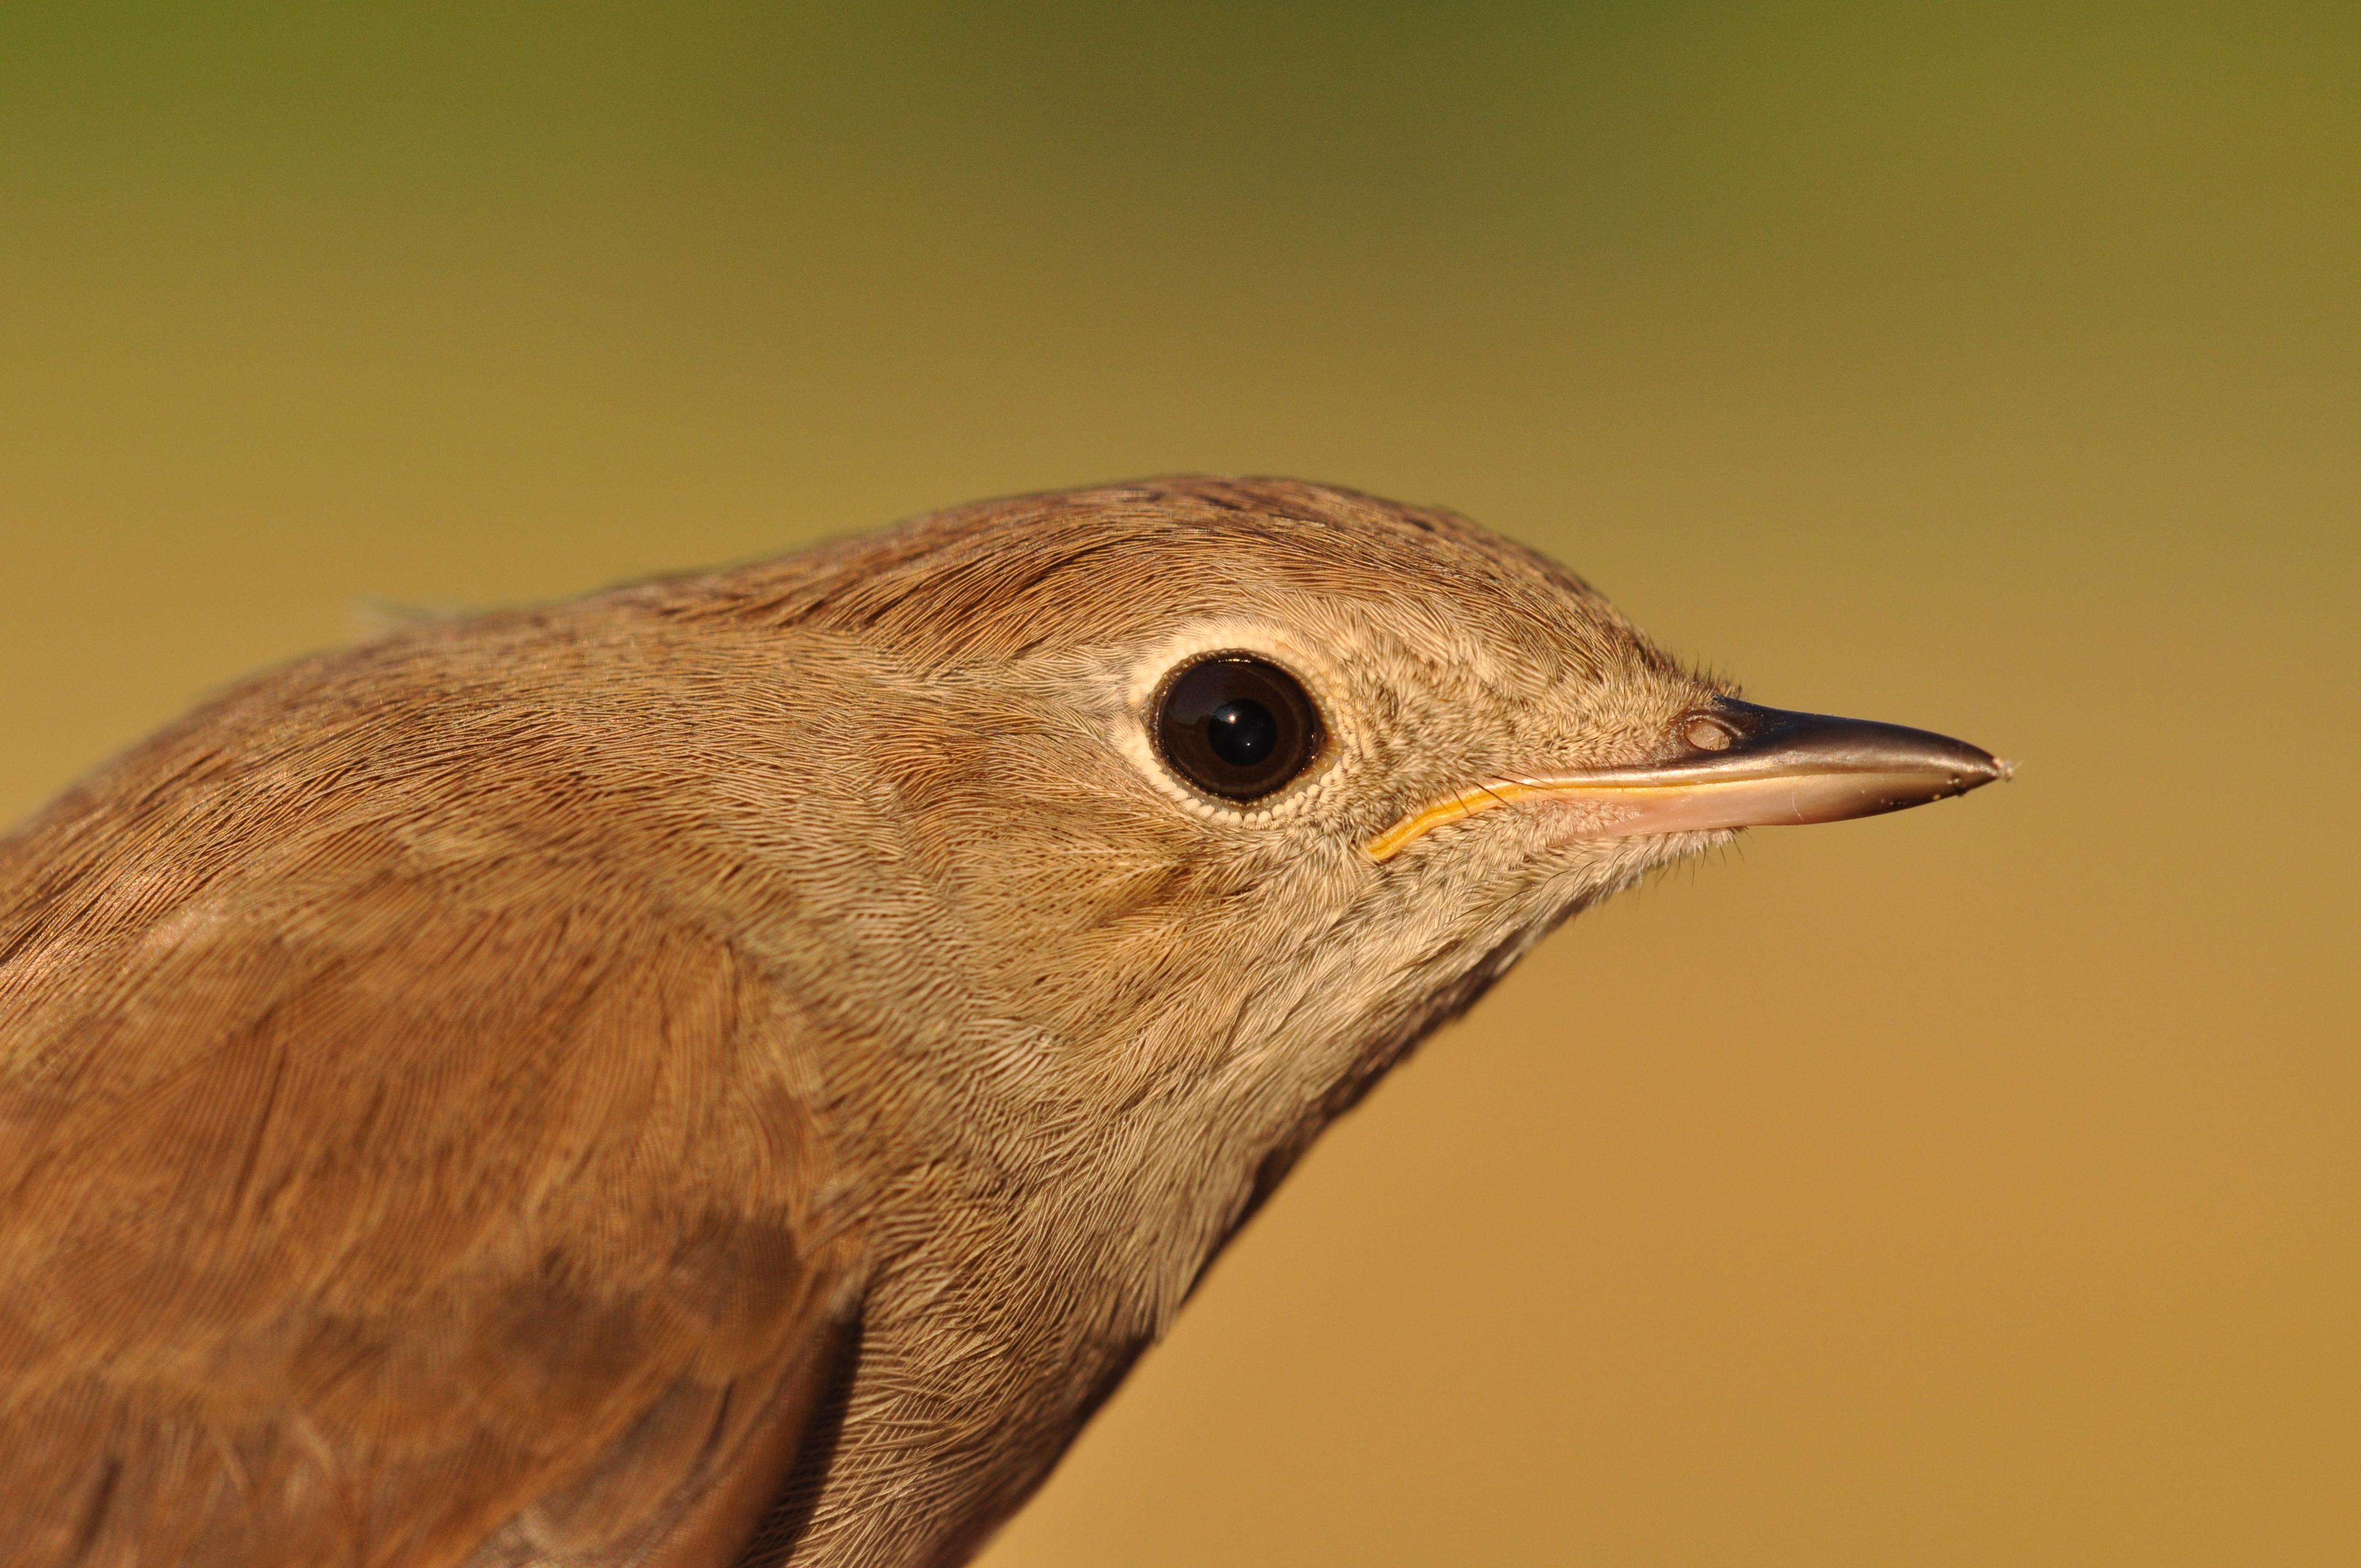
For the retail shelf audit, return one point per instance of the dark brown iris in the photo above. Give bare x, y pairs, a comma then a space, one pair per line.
1237, 726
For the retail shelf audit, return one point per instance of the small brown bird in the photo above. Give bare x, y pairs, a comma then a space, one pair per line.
733, 1069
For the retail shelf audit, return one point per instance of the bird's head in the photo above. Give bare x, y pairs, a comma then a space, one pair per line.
1225, 793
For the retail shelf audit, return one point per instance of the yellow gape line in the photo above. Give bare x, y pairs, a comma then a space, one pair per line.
1453, 808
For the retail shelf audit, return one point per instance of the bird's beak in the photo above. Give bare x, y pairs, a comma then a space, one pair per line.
1744, 767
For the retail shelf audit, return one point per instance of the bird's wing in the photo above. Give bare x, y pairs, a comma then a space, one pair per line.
398, 1218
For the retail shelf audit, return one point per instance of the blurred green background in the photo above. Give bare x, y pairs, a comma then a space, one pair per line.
1977, 1185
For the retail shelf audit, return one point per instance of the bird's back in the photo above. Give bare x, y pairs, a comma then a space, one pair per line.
346, 1215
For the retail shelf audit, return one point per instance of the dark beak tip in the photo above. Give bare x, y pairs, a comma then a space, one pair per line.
1982, 770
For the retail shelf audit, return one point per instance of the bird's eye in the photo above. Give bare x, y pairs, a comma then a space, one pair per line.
1237, 725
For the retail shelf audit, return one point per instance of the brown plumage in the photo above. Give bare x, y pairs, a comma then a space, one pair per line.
733, 1069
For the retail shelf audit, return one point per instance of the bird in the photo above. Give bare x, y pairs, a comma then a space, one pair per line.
733, 1070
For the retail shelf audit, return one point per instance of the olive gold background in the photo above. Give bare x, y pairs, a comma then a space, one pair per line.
1976, 1185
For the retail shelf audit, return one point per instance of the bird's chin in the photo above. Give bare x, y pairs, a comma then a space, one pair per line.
1573, 828
1579, 870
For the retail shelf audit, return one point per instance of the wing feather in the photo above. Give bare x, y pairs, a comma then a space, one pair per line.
387, 1211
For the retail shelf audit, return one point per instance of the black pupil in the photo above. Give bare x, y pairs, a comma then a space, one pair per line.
1237, 726
1242, 733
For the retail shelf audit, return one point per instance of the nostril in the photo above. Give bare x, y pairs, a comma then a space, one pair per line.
1707, 736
